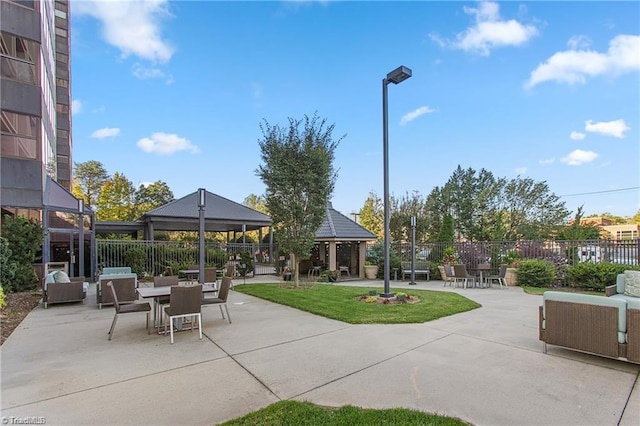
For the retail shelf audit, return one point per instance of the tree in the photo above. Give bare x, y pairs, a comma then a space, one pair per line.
24, 238
578, 230
636, 218
446, 233
256, 202
615, 220
89, 177
532, 211
298, 172
151, 196
116, 201
372, 215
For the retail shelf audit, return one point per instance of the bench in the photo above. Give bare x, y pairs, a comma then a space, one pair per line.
422, 268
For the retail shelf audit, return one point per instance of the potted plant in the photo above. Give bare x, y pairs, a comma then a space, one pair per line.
287, 273
329, 275
512, 259
370, 270
449, 256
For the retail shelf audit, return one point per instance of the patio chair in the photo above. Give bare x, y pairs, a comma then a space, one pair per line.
211, 277
460, 275
499, 277
128, 308
185, 301
163, 300
221, 300
448, 275
343, 269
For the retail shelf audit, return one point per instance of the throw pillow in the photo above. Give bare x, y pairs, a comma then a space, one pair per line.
632, 283
61, 277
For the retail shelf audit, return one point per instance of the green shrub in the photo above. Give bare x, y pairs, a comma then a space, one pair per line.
595, 276
24, 238
7, 267
246, 264
135, 258
536, 273
3, 302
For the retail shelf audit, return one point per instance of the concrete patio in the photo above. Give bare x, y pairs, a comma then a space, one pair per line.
485, 366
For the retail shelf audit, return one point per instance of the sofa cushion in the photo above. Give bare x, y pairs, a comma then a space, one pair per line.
620, 284
632, 283
116, 270
615, 302
61, 277
632, 301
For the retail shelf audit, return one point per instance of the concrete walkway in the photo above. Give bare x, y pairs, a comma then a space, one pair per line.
485, 366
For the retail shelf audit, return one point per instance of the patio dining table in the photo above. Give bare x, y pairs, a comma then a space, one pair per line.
156, 293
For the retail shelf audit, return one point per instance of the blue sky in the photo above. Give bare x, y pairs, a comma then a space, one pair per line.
176, 91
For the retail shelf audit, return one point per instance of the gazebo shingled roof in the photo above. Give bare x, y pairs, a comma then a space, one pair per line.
338, 227
221, 215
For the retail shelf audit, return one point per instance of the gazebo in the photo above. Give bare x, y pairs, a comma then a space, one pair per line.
220, 215
342, 242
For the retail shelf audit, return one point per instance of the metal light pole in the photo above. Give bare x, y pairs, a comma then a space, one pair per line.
413, 251
81, 237
396, 76
202, 195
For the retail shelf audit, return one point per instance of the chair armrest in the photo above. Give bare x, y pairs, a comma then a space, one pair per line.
610, 290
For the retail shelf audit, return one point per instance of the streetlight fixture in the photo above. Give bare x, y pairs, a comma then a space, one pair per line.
202, 198
396, 76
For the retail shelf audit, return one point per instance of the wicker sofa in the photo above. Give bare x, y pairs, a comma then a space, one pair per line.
606, 326
123, 279
57, 287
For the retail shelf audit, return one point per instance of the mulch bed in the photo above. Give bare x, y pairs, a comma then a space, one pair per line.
18, 307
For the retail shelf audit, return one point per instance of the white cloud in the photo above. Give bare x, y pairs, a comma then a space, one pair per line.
521, 170
577, 136
579, 156
410, 116
547, 161
146, 73
579, 42
165, 144
575, 65
107, 132
76, 106
489, 32
134, 27
614, 128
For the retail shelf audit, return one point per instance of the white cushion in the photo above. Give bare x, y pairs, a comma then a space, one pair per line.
632, 283
61, 277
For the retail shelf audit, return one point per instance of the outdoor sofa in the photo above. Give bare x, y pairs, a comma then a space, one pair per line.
58, 287
124, 280
607, 326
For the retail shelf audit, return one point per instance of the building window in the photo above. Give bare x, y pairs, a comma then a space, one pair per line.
19, 135
60, 14
627, 235
19, 58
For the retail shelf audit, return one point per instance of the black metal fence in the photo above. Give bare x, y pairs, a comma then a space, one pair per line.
151, 258
497, 252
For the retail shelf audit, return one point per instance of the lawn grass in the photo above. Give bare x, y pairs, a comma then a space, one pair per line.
339, 303
539, 290
296, 413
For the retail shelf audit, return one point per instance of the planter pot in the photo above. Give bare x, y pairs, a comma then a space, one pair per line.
511, 277
442, 274
371, 271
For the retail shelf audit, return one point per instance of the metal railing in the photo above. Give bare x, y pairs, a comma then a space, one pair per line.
152, 258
